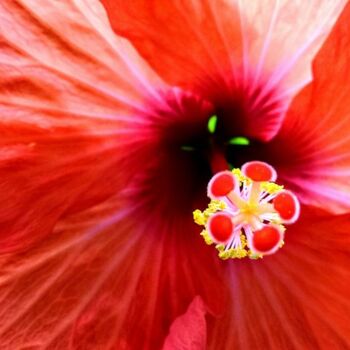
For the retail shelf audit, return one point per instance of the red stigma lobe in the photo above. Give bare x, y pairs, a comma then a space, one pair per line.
259, 171
221, 227
266, 239
286, 205
222, 184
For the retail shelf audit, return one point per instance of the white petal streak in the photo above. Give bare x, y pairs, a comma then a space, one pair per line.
296, 23
70, 52
137, 67
267, 40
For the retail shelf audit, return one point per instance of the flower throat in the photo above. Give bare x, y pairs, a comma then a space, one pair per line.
248, 210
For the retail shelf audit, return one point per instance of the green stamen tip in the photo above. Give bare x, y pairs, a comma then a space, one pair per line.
239, 140
212, 123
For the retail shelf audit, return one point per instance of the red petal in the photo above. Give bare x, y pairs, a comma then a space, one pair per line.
184, 41
189, 331
62, 109
234, 53
315, 136
108, 279
101, 280
296, 298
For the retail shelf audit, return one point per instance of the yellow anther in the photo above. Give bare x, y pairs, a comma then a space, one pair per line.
271, 187
242, 253
233, 253
208, 240
243, 240
206, 237
213, 207
220, 247
254, 256
209, 211
199, 218
249, 207
239, 175
224, 255
216, 205
238, 253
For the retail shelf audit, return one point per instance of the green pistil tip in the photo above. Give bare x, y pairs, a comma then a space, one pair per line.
187, 148
239, 140
212, 123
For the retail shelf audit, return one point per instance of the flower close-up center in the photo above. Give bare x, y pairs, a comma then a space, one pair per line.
174, 174
247, 211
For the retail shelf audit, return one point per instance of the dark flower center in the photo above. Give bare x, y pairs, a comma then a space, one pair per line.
189, 127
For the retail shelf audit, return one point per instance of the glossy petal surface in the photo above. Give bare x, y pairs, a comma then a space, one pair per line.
227, 48
63, 109
97, 245
316, 131
188, 331
295, 299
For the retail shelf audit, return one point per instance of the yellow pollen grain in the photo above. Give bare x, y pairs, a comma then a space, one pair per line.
206, 237
239, 175
216, 205
271, 187
254, 256
220, 247
248, 210
224, 255
243, 240
234, 253
199, 218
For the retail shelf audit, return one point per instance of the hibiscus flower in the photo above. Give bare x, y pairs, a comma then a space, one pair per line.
113, 117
